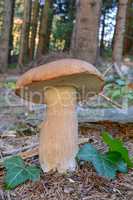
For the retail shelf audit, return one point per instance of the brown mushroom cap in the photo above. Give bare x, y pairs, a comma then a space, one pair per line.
65, 72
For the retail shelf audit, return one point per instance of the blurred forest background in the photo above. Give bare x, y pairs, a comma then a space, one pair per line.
88, 29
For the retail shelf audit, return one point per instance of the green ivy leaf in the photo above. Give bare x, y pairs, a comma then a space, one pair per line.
118, 146
102, 165
87, 153
14, 162
122, 167
18, 173
33, 173
130, 96
113, 156
120, 82
15, 177
116, 94
108, 86
116, 159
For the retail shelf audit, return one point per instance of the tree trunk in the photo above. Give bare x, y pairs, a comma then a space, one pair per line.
6, 33
128, 41
34, 24
119, 32
1, 15
45, 28
11, 33
84, 43
102, 34
24, 43
71, 17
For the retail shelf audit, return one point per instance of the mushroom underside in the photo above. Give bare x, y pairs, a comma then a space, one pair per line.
88, 84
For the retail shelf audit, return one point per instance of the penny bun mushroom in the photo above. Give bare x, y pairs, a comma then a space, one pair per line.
56, 84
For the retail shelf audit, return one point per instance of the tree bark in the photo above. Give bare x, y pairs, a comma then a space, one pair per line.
34, 24
119, 32
84, 43
1, 15
45, 28
6, 33
71, 17
24, 43
102, 34
11, 33
128, 40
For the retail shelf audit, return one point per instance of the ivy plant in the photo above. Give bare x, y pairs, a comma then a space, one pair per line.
17, 172
118, 89
116, 159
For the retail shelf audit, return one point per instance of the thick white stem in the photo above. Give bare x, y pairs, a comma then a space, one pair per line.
59, 134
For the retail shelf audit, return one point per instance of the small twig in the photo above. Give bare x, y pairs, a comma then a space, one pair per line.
8, 195
110, 101
2, 196
127, 186
107, 70
19, 150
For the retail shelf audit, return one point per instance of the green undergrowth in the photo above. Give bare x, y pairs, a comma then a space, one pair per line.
118, 90
18, 172
116, 159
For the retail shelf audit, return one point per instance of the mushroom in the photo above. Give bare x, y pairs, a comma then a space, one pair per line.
57, 84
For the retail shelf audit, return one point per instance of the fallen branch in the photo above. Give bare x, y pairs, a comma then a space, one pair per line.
24, 155
110, 101
21, 149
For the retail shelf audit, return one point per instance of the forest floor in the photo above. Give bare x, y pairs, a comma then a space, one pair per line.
84, 183
19, 128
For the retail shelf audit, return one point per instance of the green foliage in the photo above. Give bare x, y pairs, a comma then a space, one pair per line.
116, 94
118, 146
116, 160
109, 163
117, 90
62, 30
107, 53
10, 85
102, 165
120, 82
17, 172
12, 66
130, 95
